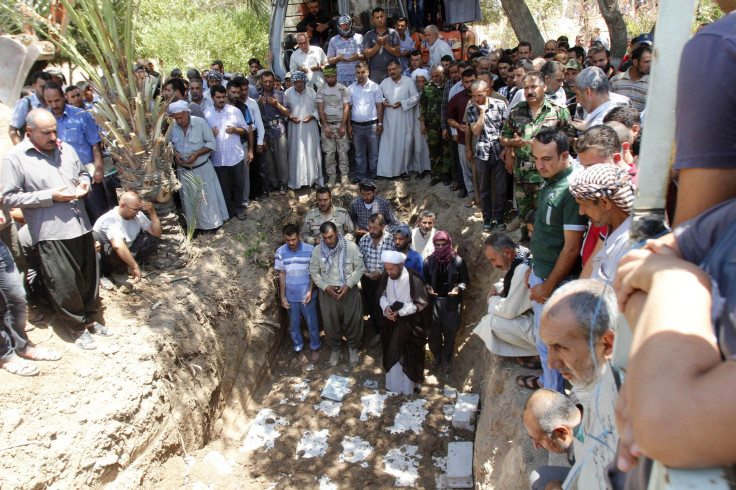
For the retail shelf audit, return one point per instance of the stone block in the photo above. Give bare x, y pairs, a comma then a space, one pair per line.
460, 465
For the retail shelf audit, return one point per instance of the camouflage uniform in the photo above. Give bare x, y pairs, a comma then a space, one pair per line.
314, 219
333, 99
430, 111
520, 121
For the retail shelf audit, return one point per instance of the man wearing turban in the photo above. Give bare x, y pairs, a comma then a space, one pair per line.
403, 299
305, 154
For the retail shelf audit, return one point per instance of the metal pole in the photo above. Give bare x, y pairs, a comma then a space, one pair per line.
674, 28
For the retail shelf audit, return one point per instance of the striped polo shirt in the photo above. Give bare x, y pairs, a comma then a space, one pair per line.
634, 90
296, 265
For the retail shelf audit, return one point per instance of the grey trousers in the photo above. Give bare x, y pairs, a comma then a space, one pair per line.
344, 317
13, 336
277, 161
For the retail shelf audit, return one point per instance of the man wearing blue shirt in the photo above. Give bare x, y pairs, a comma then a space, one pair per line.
292, 262
402, 242
78, 129
26, 104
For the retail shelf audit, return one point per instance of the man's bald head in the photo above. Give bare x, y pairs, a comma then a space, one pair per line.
41, 129
130, 204
550, 419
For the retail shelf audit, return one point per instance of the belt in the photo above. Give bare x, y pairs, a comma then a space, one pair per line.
366, 123
337, 121
184, 167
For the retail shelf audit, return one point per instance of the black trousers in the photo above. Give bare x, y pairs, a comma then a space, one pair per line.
370, 287
231, 182
445, 324
493, 175
71, 274
143, 245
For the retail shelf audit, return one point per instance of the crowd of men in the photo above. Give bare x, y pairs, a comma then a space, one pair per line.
364, 261
554, 137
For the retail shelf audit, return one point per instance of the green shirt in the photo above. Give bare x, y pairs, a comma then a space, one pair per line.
521, 122
557, 212
430, 106
354, 267
314, 219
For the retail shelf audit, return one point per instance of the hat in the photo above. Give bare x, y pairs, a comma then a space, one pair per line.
367, 184
177, 107
288, 75
298, 76
573, 64
420, 72
646, 38
392, 257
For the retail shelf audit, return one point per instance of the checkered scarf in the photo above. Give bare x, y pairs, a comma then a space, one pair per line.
328, 254
604, 180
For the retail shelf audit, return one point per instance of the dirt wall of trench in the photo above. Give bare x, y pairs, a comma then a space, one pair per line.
181, 374
187, 343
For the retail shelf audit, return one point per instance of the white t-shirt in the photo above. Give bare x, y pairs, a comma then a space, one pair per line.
112, 225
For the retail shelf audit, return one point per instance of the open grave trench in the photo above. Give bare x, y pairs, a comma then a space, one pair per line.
203, 390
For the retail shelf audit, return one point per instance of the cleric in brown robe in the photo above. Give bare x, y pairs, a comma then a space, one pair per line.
403, 300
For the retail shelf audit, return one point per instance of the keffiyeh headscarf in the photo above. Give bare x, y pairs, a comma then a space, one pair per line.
328, 255
604, 180
298, 76
214, 75
342, 20
445, 254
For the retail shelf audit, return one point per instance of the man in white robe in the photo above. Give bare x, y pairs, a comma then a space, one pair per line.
508, 328
400, 95
420, 152
305, 155
403, 300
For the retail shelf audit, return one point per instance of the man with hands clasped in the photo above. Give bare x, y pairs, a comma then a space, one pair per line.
45, 178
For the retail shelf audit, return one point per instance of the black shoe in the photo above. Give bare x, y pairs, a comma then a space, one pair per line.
354, 180
434, 181
462, 193
487, 225
501, 226
405, 177
241, 215
447, 182
420, 175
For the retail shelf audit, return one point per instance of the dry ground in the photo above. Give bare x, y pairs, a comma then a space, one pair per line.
192, 363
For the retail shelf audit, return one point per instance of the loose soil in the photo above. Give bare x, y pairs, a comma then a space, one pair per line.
197, 352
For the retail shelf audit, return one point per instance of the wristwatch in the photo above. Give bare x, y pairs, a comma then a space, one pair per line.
380, 124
